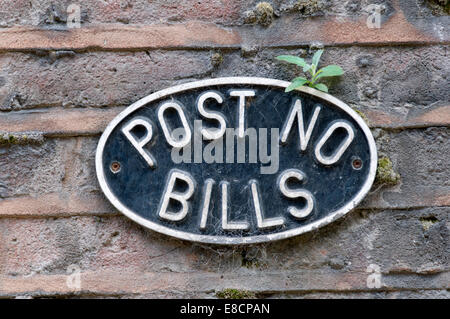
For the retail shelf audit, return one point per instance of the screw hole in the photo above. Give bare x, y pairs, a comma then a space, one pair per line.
115, 167
357, 163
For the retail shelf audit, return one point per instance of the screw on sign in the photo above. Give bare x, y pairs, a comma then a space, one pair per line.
236, 160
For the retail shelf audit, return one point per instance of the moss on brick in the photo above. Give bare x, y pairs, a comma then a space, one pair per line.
20, 138
308, 7
385, 172
262, 14
427, 222
361, 114
439, 7
252, 264
216, 59
252, 258
231, 293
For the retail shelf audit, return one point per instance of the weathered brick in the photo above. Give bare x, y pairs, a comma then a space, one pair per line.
56, 205
80, 80
405, 294
435, 115
341, 26
60, 122
233, 12
116, 256
57, 166
56, 122
29, 169
111, 37
94, 79
339, 31
421, 158
48, 12
402, 99
50, 246
146, 283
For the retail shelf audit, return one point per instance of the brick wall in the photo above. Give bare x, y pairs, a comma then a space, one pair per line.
60, 87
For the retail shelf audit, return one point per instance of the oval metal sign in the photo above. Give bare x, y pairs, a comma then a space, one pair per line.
236, 160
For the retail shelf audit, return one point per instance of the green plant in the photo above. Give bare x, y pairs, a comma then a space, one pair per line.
314, 73
385, 172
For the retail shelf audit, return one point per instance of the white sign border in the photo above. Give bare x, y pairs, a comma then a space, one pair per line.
224, 239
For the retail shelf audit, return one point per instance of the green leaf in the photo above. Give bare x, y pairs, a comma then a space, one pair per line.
292, 59
321, 87
296, 83
315, 76
316, 58
306, 67
330, 70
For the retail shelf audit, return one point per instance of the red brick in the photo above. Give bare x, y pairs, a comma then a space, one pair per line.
94, 78
436, 116
59, 122
124, 11
114, 283
55, 204
284, 32
119, 37
66, 122
62, 205
115, 255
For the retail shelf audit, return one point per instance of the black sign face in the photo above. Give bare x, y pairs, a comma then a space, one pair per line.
236, 160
